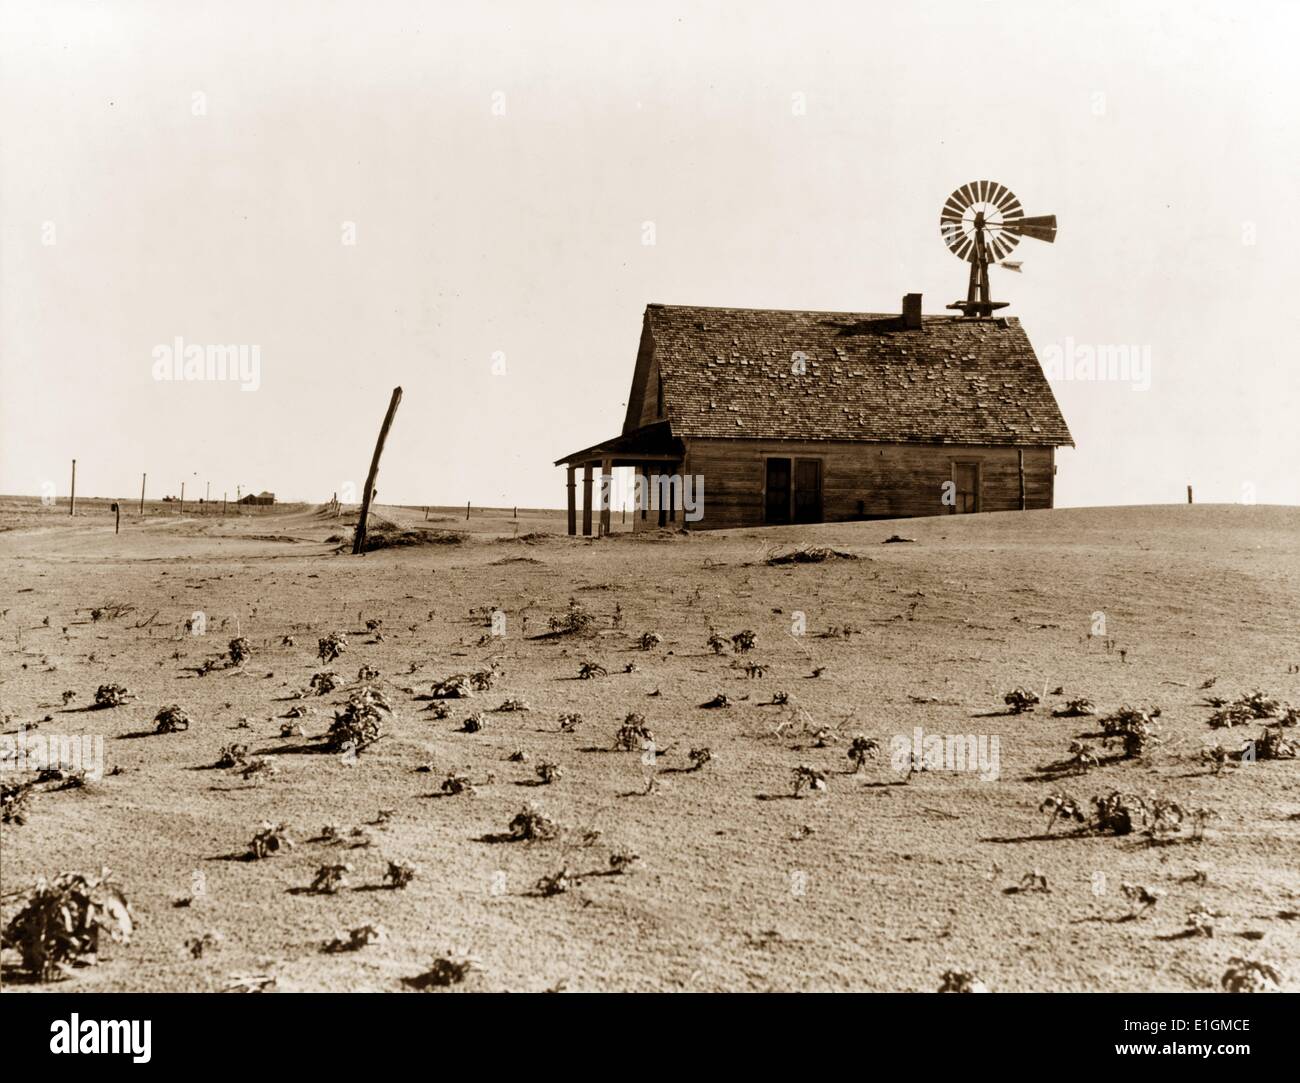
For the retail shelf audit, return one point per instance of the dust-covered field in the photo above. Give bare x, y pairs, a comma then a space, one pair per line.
679, 877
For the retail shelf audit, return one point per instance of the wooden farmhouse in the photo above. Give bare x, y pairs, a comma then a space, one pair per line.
744, 417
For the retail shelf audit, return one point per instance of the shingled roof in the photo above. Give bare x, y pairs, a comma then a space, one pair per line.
727, 372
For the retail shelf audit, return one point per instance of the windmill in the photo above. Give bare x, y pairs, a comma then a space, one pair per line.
982, 222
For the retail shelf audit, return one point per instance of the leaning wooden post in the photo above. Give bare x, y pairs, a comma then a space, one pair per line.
359, 539
1189, 494
117, 517
467, 511
182, 498
143, 479
72, 510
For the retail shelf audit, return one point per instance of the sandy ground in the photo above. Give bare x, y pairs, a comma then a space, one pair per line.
877, 883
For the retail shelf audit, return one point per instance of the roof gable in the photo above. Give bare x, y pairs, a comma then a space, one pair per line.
732, 372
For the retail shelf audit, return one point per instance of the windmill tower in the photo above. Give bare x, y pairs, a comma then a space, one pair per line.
981, 223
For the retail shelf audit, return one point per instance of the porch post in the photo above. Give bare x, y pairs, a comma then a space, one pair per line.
606, 493
586, 500
573, 505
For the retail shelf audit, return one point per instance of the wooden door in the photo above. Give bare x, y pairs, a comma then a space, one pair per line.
807, 491
966, 480
777, 492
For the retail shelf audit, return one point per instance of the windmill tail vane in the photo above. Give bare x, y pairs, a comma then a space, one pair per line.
982, 223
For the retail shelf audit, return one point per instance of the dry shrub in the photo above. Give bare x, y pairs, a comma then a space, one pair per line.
632, 733
358, 938
1119, 813
1251, 976
1274, 745
810, 777
329, 878
355, 727
59, 924
15, 801
575, 620
1020, 700
110, 695
558, 882
700, 758
1075, 708
649, 640
271, 839
171, 719
620, 861
258, 770
399, 874
456, 783
1136, 731
744, 641
456, 686
532, 825
331, 646
1245, 709
861, 749
810, 554
588, 670
198, 946
1062, 807
443, 973
960, 981
1083, 757
324, 682
233, 755
241, 650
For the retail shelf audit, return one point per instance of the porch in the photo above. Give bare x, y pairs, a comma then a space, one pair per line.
648, 449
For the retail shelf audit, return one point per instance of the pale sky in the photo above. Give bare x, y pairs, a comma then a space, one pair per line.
176, 168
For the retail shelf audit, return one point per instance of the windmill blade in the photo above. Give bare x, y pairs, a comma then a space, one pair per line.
1041, 228
1011, 265
1005, 201
1002, 244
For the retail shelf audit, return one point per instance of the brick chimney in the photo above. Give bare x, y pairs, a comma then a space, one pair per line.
912, 311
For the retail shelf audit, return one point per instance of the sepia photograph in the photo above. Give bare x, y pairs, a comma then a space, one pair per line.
596, 497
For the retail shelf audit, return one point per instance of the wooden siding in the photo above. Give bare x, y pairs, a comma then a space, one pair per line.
861, 480
650, 411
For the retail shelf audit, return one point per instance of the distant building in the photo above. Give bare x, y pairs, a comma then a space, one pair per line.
807, 417
260, 498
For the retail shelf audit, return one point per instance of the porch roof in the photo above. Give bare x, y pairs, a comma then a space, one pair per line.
650, 443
